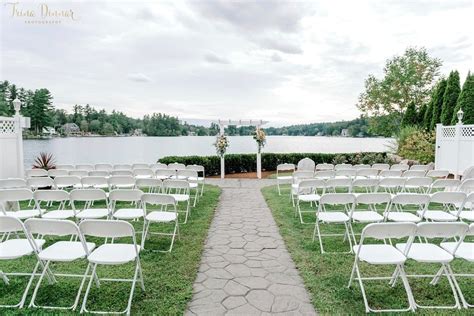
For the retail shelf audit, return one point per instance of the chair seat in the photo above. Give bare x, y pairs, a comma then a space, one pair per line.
438, 216
367, 216
163, 177
59, 214
157, 216
128, 213
380, 254
284, 178
465, 250
24, 214
193, 185
16, 248
427, 253
124, 185
144, 176
465, 215
113, 254
65, 251
403, 217
93, 213
333, 217
309, 197
180, 197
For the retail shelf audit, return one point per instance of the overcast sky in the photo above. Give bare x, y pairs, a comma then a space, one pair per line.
282, 61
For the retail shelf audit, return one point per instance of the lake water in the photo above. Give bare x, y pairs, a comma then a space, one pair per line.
115, 150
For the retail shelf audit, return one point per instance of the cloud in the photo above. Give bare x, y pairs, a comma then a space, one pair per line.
214, 59
276, 58
281, 45
138, 77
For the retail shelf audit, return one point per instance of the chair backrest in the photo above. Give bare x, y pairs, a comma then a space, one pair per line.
381, 166
176, 184
128, 195
36, 173
370, 185
470, 199
51, 196
337, 199
99, 173
308, 186
339, 183
86, 167
86, 195
453, 198
471, 230
51, 227
446, 184
94, 181
467, 186
299, 175
367, 172
107, 228
13, 183
176, 166
165, 173
325, 174
10, 224
361, 166
187, 174
468, 173
158, 199
11, 195
413, 173
286, 167
392, 182
159, 165
140, 166
122, 172
343, 166
388, 230
66, 167
148, 183
420, 200
420, 167
401, 167
438, 173
390, 173
121, 180
197, 168
122, 167
57, 172
346, 172
67, 181
147, 172
103, 167
373, 198
306, 164
40, 182
324, 166
442, 229
79, 173
419, 182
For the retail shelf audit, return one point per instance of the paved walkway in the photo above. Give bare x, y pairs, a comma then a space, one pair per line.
246, 268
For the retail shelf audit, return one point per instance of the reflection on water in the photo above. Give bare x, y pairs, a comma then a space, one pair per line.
148, 149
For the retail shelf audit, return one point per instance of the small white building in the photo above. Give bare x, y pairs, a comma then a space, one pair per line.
49, 131
345, 132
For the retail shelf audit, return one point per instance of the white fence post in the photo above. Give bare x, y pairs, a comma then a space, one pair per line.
259, 165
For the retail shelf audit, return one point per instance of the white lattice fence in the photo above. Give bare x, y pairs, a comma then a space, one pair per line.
454, 148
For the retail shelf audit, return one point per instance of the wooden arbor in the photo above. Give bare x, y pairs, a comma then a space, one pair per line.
257, 123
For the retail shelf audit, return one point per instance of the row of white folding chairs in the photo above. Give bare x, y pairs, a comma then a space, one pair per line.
428, 252
65, 251
377, 166
110, 167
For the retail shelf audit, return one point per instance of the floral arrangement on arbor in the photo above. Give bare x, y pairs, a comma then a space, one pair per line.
260, 138
221, 144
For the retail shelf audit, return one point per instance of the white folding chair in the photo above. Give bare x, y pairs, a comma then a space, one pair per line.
164, 174
364, 185
383, 254
36, 183
152, 185
390, 173
176, 166
367, 207
121, 182
361, 166
334, 208
66, 167
14, 247
87, 197
201, 179
180, 191
103, 167
57, 172
162, 215
338, 184
343, 166
86, 167
285, 178
381, 166
49, 197
309, 191
14, 197
429, 252
306, 164
463, 251
448, 201
413, 173
66, 182
79, 173
112, 254
447, 185
96, 182
61, 251
466, 211
132, 196
36, 173
391, 185
367, 173
346, 173
122, 167
418, 185
467, 186
443, 174
424, 168
121, 172
324, 166
400, 167
13, 183
191, 176
405, 207
297, 177
158, 165
143, 173
99, 173
140, 166
325, 174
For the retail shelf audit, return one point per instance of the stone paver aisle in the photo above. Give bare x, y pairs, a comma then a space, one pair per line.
246, 268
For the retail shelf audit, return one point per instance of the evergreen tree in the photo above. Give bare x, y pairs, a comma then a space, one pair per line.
438, 103
421, 115
429, 113
453, 88
410, 117
41, 110
466, 101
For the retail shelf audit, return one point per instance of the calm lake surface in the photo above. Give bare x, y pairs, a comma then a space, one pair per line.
74, 150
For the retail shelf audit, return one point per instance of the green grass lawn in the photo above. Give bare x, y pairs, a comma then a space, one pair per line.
326, 276
168, 276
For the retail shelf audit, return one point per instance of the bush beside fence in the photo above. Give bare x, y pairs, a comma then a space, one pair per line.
237, 163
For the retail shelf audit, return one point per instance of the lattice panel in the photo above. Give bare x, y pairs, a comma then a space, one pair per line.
467, 131
7, 127
449, 132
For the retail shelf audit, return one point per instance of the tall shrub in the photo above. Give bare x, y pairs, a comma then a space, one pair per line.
466, 101
453, 88
438, 103
417, 144
410, 117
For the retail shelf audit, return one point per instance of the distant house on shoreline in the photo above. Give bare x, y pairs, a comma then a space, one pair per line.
70, 129
49, 131
345, 132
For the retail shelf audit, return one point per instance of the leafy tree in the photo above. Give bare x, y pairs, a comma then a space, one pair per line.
453, 88
40, 112
410, 117
84, 126
466, 101
4, 108
438, 102
95, 126
108, 129
407, 78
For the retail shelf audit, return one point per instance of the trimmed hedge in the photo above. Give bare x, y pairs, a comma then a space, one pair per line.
237, 163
